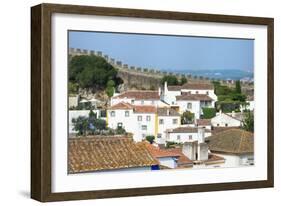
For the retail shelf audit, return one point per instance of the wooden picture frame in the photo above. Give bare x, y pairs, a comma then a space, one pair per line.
41, 118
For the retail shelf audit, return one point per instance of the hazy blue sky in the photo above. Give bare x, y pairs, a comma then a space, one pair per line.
169, 52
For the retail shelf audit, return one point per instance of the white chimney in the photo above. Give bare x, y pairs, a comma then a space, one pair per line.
165, 87
159, 91
189, 149
233, 114
201, 135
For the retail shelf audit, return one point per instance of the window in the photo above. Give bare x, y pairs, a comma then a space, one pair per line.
196, 92
112, 114
226, 125
148, 118
132, 101
119, 125
190, 137
218, 125
127, 113
207, 92
139, 118
159, 135
189, 105
142, 102
143, 127
175, 121
161, 121
178, 137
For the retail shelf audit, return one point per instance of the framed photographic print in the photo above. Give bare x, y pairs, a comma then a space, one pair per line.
129, 102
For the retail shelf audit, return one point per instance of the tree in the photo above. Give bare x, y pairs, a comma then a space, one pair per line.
209, 113
81, 125
170, 79
248, 122
92, 72
237, 87
187, 117
183, 80
110, 87
100, 124
150, 138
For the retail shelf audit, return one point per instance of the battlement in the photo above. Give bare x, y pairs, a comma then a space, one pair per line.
151, 72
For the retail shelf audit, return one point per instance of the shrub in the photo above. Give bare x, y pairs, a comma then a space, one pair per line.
150, 138
209, 113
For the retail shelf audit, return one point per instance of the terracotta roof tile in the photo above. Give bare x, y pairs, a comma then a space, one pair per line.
203, 122
121, 105
186, 130
156, 152
145, 109
235, 141
88, 154
182, 160
192, 86
139, 95
194, 97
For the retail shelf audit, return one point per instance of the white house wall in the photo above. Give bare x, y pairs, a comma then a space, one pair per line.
184, 137
195, 108
168, 124
223, 120
168, 162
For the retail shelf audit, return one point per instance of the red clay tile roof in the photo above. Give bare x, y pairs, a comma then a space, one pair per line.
156, 152
139, 95
198, 86
212, 159
203, 122
144, 109
122, 105
216, 130
97, 153
174, 88
186, 130
194, 97
234, 141
192, 86
182, 159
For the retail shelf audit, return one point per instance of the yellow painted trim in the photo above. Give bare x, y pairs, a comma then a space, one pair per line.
106, 116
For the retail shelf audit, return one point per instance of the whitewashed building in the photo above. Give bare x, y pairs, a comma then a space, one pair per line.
235, 145
225, 120
186, 134
143, 120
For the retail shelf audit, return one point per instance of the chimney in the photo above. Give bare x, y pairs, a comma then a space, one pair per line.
189, 149
201, 135
165, 87
233, 114
220, 111
159, 91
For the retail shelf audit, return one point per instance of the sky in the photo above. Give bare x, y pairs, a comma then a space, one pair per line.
171, 53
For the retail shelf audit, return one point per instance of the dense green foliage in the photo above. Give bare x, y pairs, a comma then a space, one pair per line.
150, 138
73, 88
171, 144
92, 72
88, 125
187, 117
229, 99
248, 122
209, 113
183, 80
170, 79
110, 87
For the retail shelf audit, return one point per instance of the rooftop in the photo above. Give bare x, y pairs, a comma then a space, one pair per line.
194, 97
186, 130
203, 122
139, 95
234, 141
145, 109
156, 152
121, 105
88, 154
192, 86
